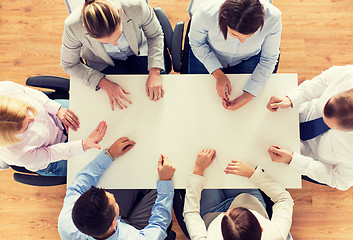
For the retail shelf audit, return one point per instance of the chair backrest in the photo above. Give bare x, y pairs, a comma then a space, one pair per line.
25, 176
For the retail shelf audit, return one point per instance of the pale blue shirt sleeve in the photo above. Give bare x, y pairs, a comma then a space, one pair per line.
198, 42
161, 215
268, 59
161, 212
86, 178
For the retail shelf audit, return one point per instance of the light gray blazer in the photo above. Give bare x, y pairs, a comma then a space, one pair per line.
139, 23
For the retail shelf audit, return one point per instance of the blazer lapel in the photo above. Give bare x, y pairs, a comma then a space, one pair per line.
99, 49
129, 31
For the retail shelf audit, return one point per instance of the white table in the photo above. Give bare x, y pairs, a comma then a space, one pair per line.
190, 117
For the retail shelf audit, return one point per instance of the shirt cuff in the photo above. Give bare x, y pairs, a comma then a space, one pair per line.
212, 66
253, 87
95, 78
299, 162
164, 187
76, 147
296, 98
52, 107
103, 160
257, 177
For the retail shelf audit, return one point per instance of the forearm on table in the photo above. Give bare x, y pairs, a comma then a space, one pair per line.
161, 215
194, 223
310, 89
283, 202
90, 175
337, 176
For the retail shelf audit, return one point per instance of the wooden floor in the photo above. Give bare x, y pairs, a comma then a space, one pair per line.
316, 35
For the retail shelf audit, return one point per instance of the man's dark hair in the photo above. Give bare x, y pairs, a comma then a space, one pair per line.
340, 107
92, 214
240, 224
243, 16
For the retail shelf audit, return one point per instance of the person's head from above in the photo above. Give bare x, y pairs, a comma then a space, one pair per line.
241, 18
95, 213
240, 224
15, 117
101, 19
338, 111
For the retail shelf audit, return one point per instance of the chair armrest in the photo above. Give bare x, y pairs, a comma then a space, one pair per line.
36, 180
177, 42
166, 26
51, 82
61, 86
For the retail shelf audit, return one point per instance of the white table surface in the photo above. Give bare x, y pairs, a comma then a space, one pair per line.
189, 117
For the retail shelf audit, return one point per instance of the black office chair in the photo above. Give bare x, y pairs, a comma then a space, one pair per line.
172, 39
59, 90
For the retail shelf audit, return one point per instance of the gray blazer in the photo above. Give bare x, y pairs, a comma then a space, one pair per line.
139, 23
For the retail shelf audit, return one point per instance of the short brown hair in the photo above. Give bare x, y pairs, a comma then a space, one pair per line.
240, 224
340, 107
100, 18
243, 16
92, 213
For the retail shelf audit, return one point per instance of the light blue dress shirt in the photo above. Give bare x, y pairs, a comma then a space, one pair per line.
121, 51
209, 46
159, 221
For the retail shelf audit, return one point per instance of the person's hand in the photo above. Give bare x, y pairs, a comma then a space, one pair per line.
68, 118
154, 88
165, 169
115, 92
121, 146
204, 160
278, 102
237, 102
239, 168
222, 83
95, 137
280, 155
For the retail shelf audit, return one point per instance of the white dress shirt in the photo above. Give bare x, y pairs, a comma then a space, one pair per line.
209, 46
43, 141
328, 158
275, 229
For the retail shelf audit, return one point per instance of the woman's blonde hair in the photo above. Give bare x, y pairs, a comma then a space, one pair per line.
100, 18
13, 111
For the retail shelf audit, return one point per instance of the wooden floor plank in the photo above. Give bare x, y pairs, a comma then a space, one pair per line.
316, 35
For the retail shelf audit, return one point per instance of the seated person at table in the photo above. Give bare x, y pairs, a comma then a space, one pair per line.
238, 36
91, 211
33, 131
326, 157
114, 37
215, 214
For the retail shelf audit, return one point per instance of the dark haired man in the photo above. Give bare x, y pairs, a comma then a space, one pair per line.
235, 36
93, 213
327, 155
235, 214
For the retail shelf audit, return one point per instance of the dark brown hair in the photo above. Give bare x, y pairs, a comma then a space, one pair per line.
243, 16
100, 18
340, 107
240, 224
92, 214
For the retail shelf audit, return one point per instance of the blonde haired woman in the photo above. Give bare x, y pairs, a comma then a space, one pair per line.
33, 131
114, 37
